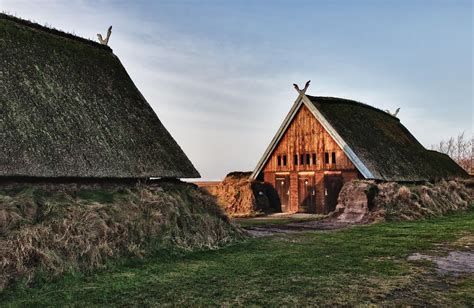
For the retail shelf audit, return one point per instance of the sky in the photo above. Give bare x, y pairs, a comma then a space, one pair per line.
219, 74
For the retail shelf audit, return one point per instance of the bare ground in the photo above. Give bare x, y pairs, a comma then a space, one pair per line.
455, 259
456, 262
295, 227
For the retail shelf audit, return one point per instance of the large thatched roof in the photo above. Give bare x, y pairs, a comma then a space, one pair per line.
383, 144
377, 143
69, 109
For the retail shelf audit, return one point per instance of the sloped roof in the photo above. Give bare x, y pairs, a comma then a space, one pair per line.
69, 109
383, 144
377, 143
447, 168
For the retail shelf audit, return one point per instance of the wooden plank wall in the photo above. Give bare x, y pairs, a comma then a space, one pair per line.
306, 135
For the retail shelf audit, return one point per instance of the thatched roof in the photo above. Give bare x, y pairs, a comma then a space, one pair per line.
376, 142
383, 144
69, 109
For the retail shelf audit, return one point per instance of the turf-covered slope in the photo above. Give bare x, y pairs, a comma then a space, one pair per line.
383, 144
69, 109
59, 228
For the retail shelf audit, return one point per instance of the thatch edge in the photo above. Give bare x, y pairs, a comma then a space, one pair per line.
53, 31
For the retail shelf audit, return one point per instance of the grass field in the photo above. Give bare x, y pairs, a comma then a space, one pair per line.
359, 265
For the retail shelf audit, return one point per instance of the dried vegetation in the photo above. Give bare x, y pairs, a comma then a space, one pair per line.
396, 201
408, 202
241, 197
52, 232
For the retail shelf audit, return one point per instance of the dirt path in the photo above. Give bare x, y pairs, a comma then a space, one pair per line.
325, 224
455, 258
456, 262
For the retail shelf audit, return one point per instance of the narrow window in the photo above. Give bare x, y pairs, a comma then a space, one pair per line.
314, 158
295, 161
284, 160
326, 158
333, 157
308, 161
302, 159
279, 160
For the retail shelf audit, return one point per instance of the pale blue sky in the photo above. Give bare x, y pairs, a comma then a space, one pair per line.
219, 74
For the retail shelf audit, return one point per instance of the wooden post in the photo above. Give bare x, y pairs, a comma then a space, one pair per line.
294, 199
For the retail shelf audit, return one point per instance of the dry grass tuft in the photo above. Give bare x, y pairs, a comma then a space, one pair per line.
410, 202
404, 194
54, 232
367, 200
241, 197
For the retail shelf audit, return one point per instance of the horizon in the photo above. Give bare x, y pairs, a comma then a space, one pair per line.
234, 107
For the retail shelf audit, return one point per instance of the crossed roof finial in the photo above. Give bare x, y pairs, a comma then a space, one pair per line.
302, 91
393, 114
106, 40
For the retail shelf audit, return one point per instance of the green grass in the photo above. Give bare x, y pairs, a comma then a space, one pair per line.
359, 265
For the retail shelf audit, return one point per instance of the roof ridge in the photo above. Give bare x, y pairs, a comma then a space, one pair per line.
53, 31
353, 102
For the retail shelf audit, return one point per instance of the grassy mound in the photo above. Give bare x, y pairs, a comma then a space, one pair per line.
408, 202
367, 200
240, 196
55, 230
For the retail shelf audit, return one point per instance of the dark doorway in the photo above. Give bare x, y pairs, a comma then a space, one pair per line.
306, 194
282, 186
332, 187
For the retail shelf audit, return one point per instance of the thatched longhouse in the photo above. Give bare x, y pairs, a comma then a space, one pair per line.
70, 110
325, 142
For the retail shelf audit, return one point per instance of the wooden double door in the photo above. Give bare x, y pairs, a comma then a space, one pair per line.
282, 187
306, 194
307, 201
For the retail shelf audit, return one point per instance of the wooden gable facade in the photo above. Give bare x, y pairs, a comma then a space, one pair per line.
326, 141
307, 167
